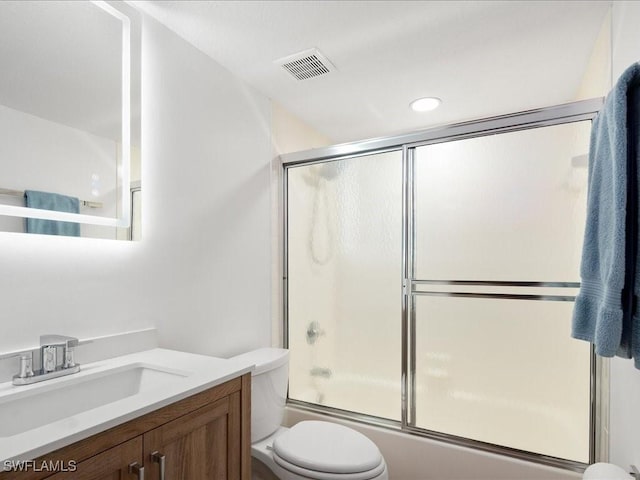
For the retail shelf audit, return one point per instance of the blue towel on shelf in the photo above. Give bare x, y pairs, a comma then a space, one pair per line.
52, 201
604, 306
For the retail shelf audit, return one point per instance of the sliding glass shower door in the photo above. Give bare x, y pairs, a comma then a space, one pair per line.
498, 224
344, 243
429, 284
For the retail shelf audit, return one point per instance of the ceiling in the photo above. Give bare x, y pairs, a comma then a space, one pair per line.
482, 58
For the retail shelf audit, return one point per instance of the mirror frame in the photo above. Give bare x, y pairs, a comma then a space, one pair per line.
124, 173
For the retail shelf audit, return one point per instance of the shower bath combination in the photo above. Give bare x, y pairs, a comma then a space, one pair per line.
407, 252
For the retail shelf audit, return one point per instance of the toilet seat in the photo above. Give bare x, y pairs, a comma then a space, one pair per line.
327, 451
318, 475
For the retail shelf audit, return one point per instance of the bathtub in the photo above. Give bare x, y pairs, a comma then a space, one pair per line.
412, 457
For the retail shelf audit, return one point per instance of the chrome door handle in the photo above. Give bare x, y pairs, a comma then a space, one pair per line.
137, 469
159, 458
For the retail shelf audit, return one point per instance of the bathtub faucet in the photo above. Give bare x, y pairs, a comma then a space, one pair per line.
313, 332
320, 372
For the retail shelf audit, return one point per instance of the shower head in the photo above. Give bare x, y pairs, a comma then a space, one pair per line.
321, 171
328, 170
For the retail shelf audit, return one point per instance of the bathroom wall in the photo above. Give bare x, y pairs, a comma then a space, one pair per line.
625, 379
201, 273
596, 80
206, 170
290, 134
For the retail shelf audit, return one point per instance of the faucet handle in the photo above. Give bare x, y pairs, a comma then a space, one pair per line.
26, 365
69, 358
69, 353
26, 362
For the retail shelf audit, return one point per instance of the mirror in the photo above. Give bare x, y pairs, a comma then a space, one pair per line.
69, 118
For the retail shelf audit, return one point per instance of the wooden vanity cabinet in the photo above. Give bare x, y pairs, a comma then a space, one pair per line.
202, 444
112, 464
203, 437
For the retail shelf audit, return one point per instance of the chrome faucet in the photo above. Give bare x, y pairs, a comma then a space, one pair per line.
56, 360
49, 345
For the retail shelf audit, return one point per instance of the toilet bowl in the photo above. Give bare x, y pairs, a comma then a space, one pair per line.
314, 450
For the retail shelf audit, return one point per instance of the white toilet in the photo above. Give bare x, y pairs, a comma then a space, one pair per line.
310, 449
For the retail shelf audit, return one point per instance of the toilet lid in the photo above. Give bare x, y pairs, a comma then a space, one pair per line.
327, 447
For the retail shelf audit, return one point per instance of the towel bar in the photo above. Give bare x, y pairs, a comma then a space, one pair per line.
19, 193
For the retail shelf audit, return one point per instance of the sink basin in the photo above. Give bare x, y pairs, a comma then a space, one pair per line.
49, 402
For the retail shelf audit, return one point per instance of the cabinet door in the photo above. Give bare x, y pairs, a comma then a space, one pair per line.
202, 445
112, 464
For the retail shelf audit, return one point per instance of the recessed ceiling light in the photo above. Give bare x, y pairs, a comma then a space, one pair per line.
425, 104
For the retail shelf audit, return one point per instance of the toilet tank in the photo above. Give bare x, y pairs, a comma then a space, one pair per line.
268, 389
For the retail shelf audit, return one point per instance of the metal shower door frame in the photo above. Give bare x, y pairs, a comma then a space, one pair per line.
544, 117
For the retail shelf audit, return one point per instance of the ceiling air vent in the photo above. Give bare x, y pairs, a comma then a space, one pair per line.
308, 64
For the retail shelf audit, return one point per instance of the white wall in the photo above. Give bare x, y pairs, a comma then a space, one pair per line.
201, 274
290, 134
206, 149
624, 426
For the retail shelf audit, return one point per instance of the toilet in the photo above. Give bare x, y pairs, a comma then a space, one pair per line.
314, 450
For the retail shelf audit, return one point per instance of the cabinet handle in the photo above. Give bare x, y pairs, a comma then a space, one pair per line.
137, 469
157, 457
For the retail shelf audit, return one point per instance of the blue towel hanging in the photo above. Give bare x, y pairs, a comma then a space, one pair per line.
52, 201
605, 306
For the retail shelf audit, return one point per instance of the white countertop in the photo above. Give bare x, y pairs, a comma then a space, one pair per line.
196, 373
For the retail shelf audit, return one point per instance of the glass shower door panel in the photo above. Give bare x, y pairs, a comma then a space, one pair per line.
502, 207
503, 372
344, 224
